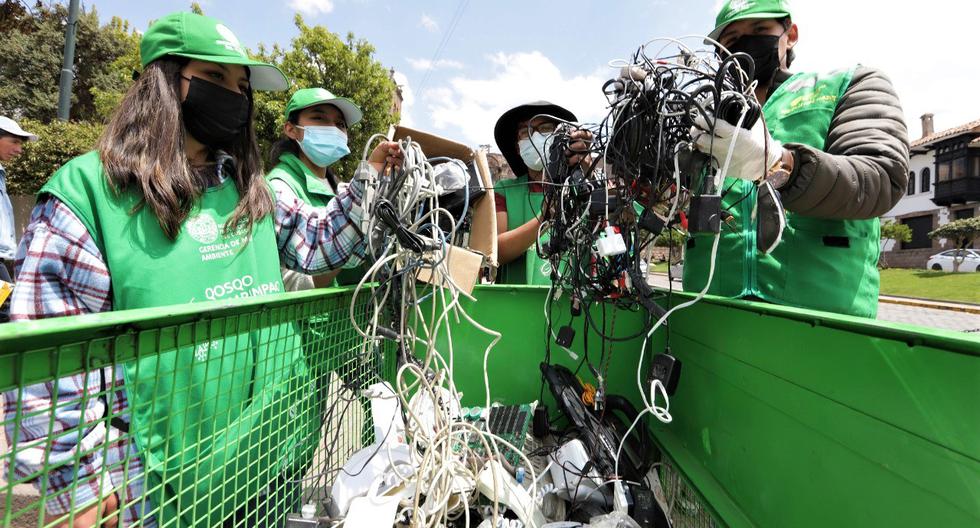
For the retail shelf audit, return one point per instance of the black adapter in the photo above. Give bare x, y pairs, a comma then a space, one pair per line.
566, 335
667, 369
540, 426
705, 215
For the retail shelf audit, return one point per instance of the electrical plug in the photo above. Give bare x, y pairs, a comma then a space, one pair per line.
612, 244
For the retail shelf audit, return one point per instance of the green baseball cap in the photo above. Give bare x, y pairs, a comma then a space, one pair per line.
733, 10
308, 97
204, 38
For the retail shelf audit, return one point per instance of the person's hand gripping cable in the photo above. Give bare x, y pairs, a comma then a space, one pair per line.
753, 155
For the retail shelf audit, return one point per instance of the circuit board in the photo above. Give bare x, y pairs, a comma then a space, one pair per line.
509, 422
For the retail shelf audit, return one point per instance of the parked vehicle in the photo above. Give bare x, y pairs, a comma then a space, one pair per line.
968, 260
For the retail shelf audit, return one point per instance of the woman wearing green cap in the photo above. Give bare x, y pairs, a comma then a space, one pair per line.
314, 138
173, 208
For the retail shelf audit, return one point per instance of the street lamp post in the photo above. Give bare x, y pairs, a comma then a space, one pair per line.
67, 66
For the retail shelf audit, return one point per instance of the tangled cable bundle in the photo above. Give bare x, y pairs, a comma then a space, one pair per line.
639, 171
609, 189
639, 176
403, 220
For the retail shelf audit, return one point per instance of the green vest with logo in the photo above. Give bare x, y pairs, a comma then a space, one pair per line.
215, 421
313, 191
822, 264
522, 206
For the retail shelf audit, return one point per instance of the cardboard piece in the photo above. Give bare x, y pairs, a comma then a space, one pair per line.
462, 264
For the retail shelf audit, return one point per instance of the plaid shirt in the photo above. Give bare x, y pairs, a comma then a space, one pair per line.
61, 272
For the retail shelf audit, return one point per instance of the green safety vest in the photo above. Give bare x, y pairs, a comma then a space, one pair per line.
822, 264
314, 191
216, 421
522, 206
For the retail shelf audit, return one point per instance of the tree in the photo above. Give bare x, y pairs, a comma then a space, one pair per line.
896, 232
673, 238
318, 57
30, 64
57, 143
961, 233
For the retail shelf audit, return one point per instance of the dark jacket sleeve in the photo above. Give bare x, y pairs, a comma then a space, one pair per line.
864, 170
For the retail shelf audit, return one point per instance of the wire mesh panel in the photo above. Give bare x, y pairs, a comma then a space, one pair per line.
203, 415
685, 507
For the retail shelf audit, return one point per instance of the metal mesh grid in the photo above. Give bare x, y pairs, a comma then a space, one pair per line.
685, 508
234, 418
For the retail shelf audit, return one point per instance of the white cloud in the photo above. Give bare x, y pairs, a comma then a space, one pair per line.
408, 99
426, 64
429, 23
312, 7
924, 48
469, 107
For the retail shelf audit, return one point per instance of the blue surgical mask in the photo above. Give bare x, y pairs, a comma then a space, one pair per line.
324, 145
531, 147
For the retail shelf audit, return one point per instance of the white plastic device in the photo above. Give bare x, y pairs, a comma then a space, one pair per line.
382, 465
509, 493
569, 464
372, 509
612, 244
386, 412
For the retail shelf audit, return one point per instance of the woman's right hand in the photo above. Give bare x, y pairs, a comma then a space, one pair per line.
89, 518
387, 152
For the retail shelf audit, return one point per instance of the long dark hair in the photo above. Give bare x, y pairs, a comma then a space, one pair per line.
287, 144
142, 150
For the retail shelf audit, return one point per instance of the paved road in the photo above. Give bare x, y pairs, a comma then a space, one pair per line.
946, 319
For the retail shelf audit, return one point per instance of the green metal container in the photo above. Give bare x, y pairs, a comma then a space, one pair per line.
783, 417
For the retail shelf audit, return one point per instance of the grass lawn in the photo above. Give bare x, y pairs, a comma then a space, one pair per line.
937, 285
660, 267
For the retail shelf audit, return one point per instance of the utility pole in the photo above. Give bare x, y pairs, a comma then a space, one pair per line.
67, 67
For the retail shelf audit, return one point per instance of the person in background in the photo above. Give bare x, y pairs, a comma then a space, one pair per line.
172, 208
12, 138
314, 138
835, 147
521, 134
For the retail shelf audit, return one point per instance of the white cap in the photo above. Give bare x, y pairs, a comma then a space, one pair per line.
11, 127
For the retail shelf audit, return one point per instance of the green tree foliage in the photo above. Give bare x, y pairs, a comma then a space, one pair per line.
961, 233
892, 230
106, 57
319, 58
671, 238
57, 143
30, 65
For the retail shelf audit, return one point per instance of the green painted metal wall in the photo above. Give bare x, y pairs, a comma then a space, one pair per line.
783, 417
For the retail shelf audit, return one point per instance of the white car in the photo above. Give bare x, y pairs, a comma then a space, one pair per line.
968, 259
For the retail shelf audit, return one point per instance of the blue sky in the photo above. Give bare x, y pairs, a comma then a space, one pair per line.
504, 52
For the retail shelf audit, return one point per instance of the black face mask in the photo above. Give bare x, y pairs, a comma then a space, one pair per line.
764, 50
214, 115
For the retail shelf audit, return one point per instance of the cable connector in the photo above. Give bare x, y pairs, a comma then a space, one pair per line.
667, 369
566, 335
612, 244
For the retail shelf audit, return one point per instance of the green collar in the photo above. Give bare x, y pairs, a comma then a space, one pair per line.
313, 183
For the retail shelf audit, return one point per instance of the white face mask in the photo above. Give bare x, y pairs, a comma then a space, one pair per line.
532, 146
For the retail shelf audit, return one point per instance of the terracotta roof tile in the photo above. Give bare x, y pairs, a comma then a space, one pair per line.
949, 132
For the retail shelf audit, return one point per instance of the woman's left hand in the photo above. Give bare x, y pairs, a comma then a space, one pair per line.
386, 153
